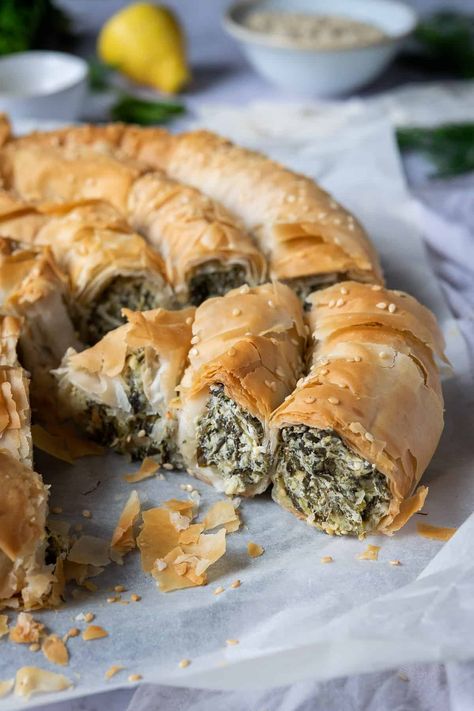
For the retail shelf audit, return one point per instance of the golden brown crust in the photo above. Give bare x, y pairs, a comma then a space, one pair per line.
374, 383
189, 230
166, 334
300, 228
23, 508
251, 341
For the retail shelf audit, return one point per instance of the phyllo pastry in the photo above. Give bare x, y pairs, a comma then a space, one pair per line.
15, 415
308, 238
246, 357
25, 580
109, 266
120, 390
358, 432
34, 289
206, 249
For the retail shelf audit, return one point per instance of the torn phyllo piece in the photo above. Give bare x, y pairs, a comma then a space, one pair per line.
15, 415
120, 390
246, 357
206, 250
25, 580
358, 432
33, 288
109, 266
308, 238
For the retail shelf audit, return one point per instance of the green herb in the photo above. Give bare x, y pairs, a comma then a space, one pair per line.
31, 24
132, 110
99, 74
445, 42
449, 147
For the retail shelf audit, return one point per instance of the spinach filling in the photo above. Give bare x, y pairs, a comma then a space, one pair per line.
232, 441
304, 286
137, 431
214, 280
327, 482
104, 314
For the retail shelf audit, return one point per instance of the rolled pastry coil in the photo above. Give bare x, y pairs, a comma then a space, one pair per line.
120, 390
358, 432
308, 238
206, 250
109, 266
246, 357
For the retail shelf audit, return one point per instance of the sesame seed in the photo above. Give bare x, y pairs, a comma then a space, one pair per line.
340, 302
34, 647
236, 312
89, 616
120, 588
270, 303
235, 584
324, 371
369, 437
194, 351
392, 308
295, 342
141, 433
383, 354
332, 303
357, 359
333, 400
135, 598
290, 198
327, 559
232, 351
86, 513
248, 333
395, 562
309, 400
189, 320
219, 590
351, 226
376, 287
168, 466
244, 289
195, 339
115, 598
135, 677
231, 642
343, 290
74, 632
184, 663
381, 305
280, 372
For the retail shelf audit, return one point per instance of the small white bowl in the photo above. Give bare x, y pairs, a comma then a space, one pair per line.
44, 85
325, 72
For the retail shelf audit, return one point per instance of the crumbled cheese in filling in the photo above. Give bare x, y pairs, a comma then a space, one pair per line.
327, 482
136, 431
232, 441
213, 279
315, 31
104, 313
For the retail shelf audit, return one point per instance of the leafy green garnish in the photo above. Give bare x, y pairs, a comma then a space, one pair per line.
99, 74
132, 110
449, 147
444, 42
31, 24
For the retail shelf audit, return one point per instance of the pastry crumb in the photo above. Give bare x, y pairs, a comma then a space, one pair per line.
87, 514
327, 559
231, 642
94, 632
236, 584
219, 590
395, 562
135, 598
113, 670
184, 663
135, 677
254, 550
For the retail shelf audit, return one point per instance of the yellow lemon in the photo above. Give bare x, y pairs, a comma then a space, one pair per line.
145, 42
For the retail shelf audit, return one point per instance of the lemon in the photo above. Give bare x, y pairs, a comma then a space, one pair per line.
145, 42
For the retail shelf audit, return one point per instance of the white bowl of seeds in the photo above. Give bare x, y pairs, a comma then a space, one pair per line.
317, 47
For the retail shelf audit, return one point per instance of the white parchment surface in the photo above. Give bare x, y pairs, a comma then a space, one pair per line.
294, 617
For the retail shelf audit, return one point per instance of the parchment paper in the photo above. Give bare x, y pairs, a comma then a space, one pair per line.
293, 616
